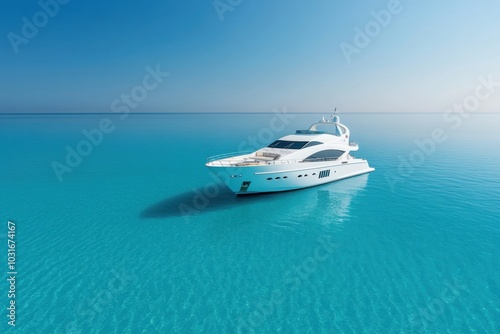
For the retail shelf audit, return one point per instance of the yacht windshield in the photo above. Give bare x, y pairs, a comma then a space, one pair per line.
313, 143
293, 145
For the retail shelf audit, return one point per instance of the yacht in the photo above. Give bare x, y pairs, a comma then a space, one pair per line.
304, 159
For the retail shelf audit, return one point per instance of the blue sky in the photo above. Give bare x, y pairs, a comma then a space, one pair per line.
263, 55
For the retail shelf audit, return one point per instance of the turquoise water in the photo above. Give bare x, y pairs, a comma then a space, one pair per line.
139, 237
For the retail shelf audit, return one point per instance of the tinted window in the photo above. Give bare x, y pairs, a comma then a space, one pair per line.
326, 154
313, 143
294, 145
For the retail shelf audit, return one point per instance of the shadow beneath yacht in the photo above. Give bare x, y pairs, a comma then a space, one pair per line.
196, 202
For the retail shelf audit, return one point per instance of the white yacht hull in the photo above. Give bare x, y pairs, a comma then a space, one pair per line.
283, 177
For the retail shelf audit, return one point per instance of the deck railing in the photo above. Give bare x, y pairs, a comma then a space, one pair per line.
251, 162
227, 155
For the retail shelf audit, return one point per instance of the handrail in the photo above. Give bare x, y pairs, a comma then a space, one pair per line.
273, 162
227, 155
318, 159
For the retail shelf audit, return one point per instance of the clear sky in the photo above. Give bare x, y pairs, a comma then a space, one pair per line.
246, 56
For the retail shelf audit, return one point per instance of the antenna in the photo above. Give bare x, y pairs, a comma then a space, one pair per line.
335, 118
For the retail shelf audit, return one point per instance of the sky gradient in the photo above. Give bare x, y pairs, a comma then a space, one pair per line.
246, 56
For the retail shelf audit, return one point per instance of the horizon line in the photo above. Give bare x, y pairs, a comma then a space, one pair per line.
234, 113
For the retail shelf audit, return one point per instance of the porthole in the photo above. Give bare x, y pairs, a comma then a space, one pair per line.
305, 175
314, 173
277, 178
269, 178
285, 177
300, 175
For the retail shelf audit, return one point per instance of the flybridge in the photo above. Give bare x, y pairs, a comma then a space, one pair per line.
309, 132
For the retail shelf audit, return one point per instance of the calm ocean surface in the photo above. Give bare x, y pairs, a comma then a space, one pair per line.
139, 237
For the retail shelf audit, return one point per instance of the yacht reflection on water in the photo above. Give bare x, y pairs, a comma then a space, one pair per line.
333, 199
